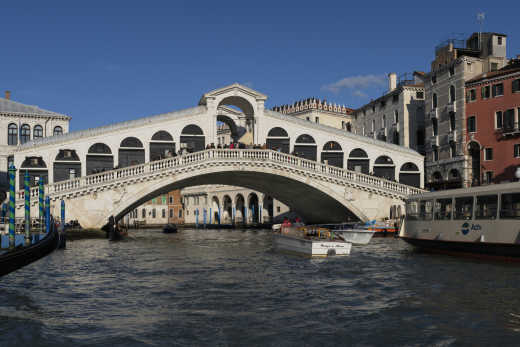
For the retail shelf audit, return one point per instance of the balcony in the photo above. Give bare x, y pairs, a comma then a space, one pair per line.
434, 113
434, 140
510, 129
451, 107
452, 136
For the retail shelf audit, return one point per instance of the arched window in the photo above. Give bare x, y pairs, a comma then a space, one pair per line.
434, 100
349, 127
131, 142
37, 131
25, 133
57, 131
452, 94
12, 134
143, 213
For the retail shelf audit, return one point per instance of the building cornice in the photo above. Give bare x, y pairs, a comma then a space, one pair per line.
35, 115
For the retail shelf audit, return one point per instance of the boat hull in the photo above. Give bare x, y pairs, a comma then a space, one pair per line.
311, 248
14, 260
357, 236
486, 249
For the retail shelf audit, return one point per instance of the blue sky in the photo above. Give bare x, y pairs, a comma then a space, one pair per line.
108, 61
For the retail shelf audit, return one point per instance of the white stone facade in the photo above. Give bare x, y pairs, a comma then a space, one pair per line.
397, 117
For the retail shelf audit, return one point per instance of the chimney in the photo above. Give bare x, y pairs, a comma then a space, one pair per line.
392, 81
8, 95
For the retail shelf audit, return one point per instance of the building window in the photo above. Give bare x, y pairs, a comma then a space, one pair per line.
435, 153
434, 79
171, 212
494, 66
472, 124
508, 121
163, 199
317, 120
396, 116
516, 86
516, 149
452, 94
452, 70
488, 177
143, 213
308, 118
498, 89
180, 213
435, 127
153, 213
57, 131
486, 92
488, 153
12, 134
419, 95
25, 133
499, 40
452, 121
498, 120
395, 98
37, 131
434, 100
472, 95
164, 213
453, 149
278, 209
171, 200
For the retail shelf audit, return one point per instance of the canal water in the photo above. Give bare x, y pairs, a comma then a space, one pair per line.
229, 288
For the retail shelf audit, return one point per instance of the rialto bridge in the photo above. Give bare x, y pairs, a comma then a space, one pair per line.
110, 170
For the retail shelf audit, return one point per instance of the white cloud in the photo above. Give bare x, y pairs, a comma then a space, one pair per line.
359, 93
356, 82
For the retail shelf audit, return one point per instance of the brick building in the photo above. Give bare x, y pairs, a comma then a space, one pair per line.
493, 136
175, 207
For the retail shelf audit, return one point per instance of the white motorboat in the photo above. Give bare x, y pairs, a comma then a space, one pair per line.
276, 227
356, 236
301, 241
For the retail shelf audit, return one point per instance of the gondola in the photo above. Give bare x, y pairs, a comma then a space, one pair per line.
22, 256
170, 229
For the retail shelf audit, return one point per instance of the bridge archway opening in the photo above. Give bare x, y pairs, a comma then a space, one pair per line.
384, 167
162, 146
410, 175
254, 208
131, 152
227, 130
37, 169
215, 205
277, 138
239, 132
99, 158
358, 161
268, 208
332, 154
240, 209
192, 138
305, 147
67, 165
227, 211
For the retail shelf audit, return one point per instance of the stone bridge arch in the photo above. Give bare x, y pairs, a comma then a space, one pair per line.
317, 201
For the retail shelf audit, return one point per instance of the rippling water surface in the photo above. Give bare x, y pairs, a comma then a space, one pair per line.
229, 288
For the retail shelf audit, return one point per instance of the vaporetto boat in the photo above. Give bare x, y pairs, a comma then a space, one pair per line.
478, 221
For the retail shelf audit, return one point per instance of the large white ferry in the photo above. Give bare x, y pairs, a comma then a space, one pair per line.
482, 220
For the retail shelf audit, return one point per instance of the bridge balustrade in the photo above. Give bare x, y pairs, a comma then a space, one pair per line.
223, 154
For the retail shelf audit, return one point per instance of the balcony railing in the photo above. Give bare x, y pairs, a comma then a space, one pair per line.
510, 129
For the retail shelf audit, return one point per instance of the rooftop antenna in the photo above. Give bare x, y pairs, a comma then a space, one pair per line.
480, 19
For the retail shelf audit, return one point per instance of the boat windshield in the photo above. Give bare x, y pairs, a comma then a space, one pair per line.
443, 209
486, 207
510, 206
464, 208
